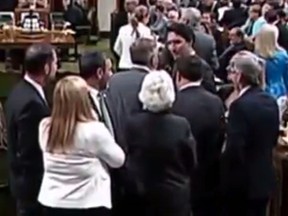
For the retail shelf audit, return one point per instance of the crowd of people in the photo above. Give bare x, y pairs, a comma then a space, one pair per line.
186, 125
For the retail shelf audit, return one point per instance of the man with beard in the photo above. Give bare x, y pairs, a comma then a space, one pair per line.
26, 106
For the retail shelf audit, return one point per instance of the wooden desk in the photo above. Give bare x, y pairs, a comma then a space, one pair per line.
22, 44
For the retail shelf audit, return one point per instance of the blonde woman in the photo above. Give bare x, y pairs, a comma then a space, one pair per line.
276, 66
76, 150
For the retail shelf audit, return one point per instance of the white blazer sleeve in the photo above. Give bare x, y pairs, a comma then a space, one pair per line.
118, 44
108, 150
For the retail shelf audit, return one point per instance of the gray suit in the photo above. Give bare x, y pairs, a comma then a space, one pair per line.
205, 47
122, 100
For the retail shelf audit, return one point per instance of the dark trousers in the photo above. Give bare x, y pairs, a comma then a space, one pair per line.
76, 212
28, 208
237, 207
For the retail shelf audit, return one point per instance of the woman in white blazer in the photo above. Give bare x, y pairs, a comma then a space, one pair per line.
136, 28
77, 150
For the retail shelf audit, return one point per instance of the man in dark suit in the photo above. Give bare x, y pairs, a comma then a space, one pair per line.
204, 44
123, 102
237, 43
205, 113
121, 18
252, 133
236, 16
123, 88
95, 70
25, 108
180, 40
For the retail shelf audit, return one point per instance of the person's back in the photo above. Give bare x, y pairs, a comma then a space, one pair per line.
205, 114
77, 150
123, 87
262, 132
161, 152
79, 171
276, 74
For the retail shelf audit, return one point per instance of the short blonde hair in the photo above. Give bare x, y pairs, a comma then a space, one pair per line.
266, 41
71, 105
157, 92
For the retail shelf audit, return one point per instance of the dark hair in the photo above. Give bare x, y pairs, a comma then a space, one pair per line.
190, 67
140, 13
256, 10
271, 16
239, 32
281, 14
182, 30
37, 56
142, 51
89, 63
236, 3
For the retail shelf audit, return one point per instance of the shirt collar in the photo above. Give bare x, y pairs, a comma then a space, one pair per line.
36, 85
190, 84
94, 92
245, 89
142, 67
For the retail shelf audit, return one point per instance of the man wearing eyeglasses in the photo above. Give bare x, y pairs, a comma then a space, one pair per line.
252, 132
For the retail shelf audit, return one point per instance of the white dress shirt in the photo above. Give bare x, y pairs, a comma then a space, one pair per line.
79, 178
190, 84
124, 41
36, 85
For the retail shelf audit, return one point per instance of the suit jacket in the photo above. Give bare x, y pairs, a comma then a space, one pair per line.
160, 162
252, 133
235, 17
226, 56
122, 100
205, 47
205, 114
25, 108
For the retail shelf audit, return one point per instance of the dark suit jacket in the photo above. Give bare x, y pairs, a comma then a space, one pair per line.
205, 47
252, 133
160, 162
25, 108
283, 35
226, 56
205, 114
122, 100
208, 81
235, 17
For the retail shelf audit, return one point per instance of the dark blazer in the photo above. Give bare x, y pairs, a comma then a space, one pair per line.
226, 56
160, 161
122, 99
25, 108
235, 17
208, 81
205, 47
205, 114
252, 133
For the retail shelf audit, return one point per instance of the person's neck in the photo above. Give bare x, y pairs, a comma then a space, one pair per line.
93, 84
38, 79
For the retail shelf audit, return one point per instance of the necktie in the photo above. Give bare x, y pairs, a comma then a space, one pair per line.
95, 107
105, 114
